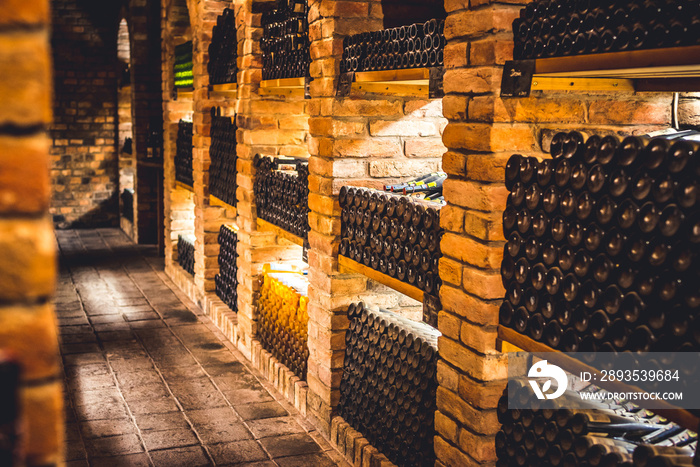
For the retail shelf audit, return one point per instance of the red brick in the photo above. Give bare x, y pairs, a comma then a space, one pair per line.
24, 179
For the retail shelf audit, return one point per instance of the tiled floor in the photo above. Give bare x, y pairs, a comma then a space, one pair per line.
151, 382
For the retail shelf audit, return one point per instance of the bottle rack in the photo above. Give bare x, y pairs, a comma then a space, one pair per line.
674, 69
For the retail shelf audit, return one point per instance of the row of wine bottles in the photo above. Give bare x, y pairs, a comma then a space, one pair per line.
281, 192
611, 434
284, 316
393, 234
426, 186
415, 45
223, 49
127, 198
285, 41
226, 281
222, 172
183, 66
389, 382
185, 252
183, 153
560, 27
601, 249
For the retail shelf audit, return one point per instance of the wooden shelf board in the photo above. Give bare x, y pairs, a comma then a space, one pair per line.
265, 226
183, 186
401, 89
673, 59
214, 201
227, 89
411, 75
283, 83
155, 165
347, 265
282, 91
550, 83
512, 341
186, 93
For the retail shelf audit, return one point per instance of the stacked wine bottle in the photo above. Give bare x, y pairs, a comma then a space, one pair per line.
223, 50
284, 317
393, 234
226, 281
561, 27
602, 244
183, 153
185, 252
183, 66
416, 45
285, 40
615, 434
222, 172
128, 204
281, 192
387, 391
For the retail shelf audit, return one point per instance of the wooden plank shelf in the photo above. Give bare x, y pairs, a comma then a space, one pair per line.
283, 87
414, 82
662, 70
345, 264
184, 93
214, 201
513, 341
265, 226
226, 90
183, 186
153, 165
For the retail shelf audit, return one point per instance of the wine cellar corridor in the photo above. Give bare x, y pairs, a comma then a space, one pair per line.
349, 232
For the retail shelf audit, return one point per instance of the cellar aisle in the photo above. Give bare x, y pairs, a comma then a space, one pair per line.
149, 381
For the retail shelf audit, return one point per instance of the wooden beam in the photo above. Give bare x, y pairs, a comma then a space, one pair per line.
347, 265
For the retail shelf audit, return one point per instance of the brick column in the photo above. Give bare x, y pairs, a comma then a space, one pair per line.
27, 264
362, 140
208, 219
178, 203
484, 131
268, 125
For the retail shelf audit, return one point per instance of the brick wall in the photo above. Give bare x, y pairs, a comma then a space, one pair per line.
178, 203
84, 159
87, 132
363, 140
27, 270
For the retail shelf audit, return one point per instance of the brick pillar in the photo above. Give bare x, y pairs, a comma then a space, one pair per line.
178, 203
208, 219
27, 265
483, 132
268, 125
361, 140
